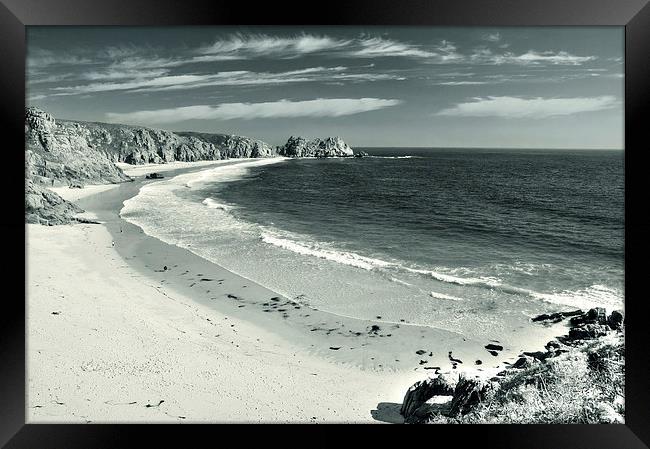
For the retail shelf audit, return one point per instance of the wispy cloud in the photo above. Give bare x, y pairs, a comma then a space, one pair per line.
240, 46
461, 83
39, 58
321, 107
157, 81
517, 107
373, 47
114, 74
122, 62
531, 57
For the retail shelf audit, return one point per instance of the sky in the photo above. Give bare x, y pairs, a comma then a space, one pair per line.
509, 87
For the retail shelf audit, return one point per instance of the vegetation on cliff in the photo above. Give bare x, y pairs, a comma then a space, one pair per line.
580, 378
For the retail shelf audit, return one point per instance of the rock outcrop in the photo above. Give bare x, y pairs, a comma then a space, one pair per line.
42, 206
592, 334
469, 392
328, 147
66, 150
422, 391
76, 153
61, 153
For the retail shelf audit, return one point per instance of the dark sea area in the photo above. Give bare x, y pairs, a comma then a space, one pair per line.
445, 237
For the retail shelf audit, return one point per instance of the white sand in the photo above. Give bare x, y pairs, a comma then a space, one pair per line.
118, 343
127, 334
142, 170
76, 194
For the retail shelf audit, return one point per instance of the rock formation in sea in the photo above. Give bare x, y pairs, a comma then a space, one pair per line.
328, 147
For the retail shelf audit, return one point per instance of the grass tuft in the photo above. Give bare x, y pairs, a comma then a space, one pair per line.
584, 385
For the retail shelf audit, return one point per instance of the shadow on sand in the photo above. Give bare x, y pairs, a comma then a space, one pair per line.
388, 412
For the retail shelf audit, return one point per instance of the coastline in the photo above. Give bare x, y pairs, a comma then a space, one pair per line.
269, 367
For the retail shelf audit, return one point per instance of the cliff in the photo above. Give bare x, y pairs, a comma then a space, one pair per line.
57, 153
328, 147
85, 152
75, 153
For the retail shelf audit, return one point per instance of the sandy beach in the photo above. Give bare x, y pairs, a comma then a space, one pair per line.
125, 328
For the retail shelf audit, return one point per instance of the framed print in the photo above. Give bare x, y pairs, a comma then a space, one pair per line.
413, 213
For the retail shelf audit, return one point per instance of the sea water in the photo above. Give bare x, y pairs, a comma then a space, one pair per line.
451, 238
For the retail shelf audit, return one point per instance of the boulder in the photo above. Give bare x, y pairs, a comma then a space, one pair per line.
539, 355
553, 317
468, 394
422, 391
615, 319
587, 332
493, 347
572, 313
424, 413
524, 362
557, 316
552, 345
360, 154
597, 315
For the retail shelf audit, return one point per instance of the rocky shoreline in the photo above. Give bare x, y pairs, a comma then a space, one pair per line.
76, 153
595, 338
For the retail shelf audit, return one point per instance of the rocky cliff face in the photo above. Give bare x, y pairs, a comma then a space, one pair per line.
68, 152
42, 206
57, 153
328, 147
83, 151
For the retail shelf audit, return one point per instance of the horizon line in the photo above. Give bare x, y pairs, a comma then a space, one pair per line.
356, 146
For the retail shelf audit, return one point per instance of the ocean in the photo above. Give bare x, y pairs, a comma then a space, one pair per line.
452, 238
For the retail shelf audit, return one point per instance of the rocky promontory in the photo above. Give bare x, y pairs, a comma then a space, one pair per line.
75, 153
328, 147
67, 150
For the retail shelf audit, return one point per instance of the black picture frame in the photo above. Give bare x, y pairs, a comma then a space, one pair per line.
634, 15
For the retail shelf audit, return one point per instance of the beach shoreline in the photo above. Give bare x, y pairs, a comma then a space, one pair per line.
360, 364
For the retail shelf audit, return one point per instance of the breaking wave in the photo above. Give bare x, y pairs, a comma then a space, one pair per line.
595, 295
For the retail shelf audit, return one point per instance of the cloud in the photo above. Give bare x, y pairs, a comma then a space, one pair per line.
379, 47
229, 78
531, 57
241, 46
113, 74
38, 58
321, 107
516, 107
461, 83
